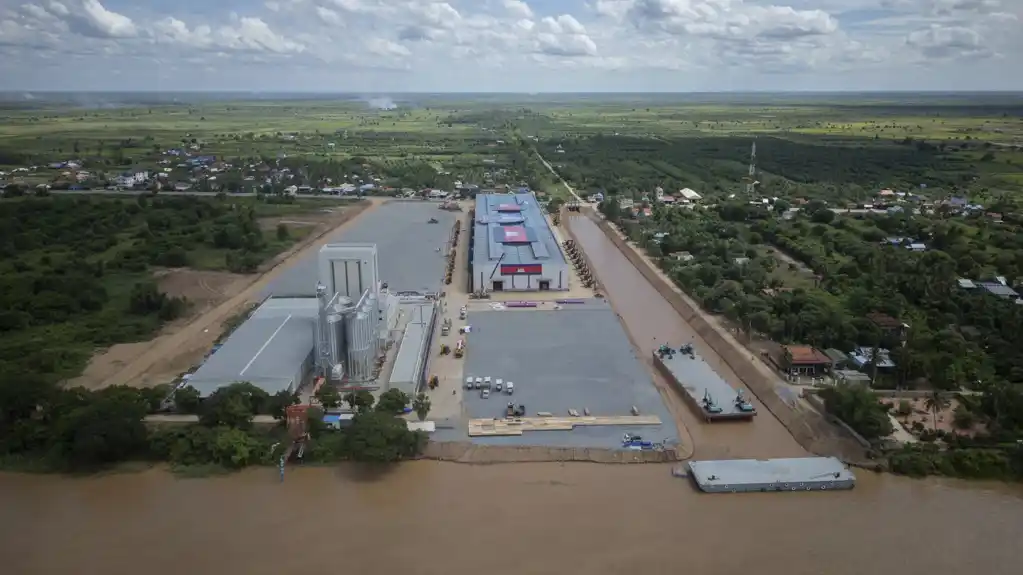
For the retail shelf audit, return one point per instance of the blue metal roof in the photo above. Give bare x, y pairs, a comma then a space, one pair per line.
541, 247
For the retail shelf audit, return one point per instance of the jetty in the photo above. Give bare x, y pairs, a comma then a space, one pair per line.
704, 390
764, 475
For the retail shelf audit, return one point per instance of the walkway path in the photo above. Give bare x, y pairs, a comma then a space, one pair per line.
558, 176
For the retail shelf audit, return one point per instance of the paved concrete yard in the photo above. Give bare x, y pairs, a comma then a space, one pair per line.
406, 249
573, 358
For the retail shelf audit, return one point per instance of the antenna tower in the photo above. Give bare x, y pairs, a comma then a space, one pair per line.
751, 182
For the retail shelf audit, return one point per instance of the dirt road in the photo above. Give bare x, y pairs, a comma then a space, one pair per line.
162, 358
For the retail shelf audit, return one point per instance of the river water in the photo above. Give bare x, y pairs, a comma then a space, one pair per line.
445, 518
652, 321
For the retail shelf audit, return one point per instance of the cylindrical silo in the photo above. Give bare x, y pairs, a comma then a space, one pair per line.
321, 335
360, 347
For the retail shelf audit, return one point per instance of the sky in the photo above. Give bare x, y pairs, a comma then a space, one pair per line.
526, 46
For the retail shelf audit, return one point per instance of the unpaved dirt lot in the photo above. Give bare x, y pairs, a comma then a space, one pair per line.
215, 298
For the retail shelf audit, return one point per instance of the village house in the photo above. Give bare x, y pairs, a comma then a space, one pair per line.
804, 360
888, 325
689, 196
132, 178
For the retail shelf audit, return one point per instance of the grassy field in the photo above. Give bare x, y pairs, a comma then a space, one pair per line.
489, 140
886, 121
242, 129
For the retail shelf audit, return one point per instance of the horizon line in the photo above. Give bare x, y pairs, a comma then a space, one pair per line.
520, 93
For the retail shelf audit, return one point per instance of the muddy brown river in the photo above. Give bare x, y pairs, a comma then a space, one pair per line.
451, 519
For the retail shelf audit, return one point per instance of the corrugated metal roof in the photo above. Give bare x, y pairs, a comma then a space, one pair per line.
408, 363
406, 247
522, 238
267, 350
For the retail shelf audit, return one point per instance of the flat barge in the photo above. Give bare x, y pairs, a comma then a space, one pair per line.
768, 475
704, 390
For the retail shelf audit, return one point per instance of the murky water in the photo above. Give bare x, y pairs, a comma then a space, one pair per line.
451, 519
652, 321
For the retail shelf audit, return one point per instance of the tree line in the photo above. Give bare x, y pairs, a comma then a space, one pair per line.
956, 339
50, 428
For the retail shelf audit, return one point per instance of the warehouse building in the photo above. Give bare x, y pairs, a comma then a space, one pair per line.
273, 349
409, 371
514, 248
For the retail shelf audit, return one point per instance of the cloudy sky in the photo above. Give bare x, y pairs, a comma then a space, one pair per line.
511, 45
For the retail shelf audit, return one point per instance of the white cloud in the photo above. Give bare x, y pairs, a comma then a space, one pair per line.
518, 9
940, 42
526, 45
94, 19
328, 16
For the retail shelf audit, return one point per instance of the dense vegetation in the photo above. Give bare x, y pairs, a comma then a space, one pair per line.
45, 427
819, 168
818, 276
75, 273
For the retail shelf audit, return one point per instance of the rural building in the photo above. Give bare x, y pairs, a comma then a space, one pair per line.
804, 360
887, 324
851, 377
409, 371
999, 289
273, 349
863, 357
514, 247
689, 196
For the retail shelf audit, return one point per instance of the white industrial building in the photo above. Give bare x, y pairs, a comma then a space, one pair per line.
340, 334
273, 349
514, 247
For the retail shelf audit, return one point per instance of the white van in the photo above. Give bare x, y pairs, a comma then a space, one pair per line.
498, 384
468, 382
479, 383
510, 388
486, 382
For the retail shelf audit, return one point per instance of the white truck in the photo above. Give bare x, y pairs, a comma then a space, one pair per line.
509, 388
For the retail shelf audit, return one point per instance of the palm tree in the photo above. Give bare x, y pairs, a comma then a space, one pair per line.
935, 403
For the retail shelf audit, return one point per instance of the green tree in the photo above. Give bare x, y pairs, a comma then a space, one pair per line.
393, 401
860, 408
280, 402
421, 405
380, 437
554, 206
233, 406
104, 430
359, 401
328, 396
234, 448
936, 402
187, 399
963, 418
282, 232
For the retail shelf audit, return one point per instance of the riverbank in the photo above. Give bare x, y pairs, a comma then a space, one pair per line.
808, 427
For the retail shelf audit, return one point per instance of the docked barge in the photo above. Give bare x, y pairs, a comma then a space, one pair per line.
768, 475
704, 390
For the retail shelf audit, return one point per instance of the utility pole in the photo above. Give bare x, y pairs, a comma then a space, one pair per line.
751, 181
